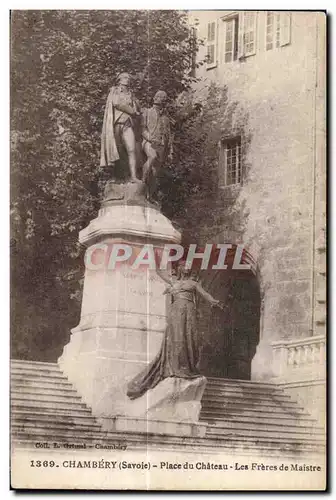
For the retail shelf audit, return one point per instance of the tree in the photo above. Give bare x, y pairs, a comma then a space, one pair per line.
62, 66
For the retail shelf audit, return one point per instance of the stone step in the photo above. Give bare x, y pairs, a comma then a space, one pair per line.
34, 366
282, 420
270, 413
246, 392
270, 429
225, 405
46, 391
29, 395
17, 373
222, 397
52, 434
38, 410
74, 429
258, 391
212, 381
59, 436
38, 364
55, 405
268, 436
40, 417
50, 382
271, 442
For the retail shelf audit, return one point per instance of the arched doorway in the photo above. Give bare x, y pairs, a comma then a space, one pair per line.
229, 339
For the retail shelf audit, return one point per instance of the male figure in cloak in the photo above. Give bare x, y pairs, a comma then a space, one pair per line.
121, 111
157, 139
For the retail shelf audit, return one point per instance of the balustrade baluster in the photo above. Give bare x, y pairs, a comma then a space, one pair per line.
291, 354
306, 355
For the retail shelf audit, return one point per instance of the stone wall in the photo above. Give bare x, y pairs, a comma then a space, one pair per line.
278, 210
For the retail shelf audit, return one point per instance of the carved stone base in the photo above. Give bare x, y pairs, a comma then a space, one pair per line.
174, 399
129, 193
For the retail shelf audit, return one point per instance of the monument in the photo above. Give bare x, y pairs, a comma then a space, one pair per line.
122, 357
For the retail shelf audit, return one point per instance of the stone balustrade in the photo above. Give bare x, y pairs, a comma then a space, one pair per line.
299, 356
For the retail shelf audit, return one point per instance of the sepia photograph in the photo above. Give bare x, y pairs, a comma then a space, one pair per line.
168, 198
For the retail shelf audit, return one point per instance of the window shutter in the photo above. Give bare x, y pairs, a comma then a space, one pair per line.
193, 41
221, 169
269, 31
285, 28
255, 31
241, 35
250, 33
211, 31
212, 44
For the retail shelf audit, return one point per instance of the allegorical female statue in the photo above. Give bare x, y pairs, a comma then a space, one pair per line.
179, 353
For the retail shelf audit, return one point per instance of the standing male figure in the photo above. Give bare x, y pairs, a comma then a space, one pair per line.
157, 140
118, 125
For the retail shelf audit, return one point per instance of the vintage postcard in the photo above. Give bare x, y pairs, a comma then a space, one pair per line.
168, 250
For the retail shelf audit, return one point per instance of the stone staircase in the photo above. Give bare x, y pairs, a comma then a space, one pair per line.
257, 412
45, 405
240, 415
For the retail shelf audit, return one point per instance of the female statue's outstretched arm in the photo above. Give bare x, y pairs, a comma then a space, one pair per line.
162, 272
208, 297
164, 275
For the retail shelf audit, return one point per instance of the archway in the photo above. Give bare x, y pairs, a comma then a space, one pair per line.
229, 339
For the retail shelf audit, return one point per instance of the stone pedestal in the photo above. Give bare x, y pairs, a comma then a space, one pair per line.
123, 314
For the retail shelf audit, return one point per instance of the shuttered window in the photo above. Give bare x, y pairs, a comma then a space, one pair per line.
278, 29
240, 36
249, 20
247, 39
231, 39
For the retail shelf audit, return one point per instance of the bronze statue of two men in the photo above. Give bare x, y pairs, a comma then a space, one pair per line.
144, 134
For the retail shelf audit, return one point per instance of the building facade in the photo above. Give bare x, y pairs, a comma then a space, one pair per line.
272, 164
